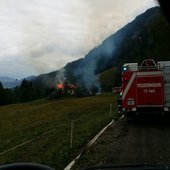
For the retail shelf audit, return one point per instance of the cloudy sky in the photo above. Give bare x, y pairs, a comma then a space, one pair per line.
39, 36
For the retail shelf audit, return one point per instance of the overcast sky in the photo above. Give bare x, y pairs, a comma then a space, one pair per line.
39, 36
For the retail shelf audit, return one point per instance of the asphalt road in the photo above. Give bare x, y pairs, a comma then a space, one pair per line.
145, 140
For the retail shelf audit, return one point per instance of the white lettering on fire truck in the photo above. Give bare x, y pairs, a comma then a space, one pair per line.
144, 85
149, 91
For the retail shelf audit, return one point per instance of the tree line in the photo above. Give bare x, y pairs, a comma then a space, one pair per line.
23, 93
28, 91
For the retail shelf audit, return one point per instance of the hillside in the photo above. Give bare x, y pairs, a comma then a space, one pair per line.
147, 36
107, 79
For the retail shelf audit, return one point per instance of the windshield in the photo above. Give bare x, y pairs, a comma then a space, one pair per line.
71, 76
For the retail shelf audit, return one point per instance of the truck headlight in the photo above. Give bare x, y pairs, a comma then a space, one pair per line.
130, 102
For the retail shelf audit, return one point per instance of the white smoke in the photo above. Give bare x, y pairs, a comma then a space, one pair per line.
60, 76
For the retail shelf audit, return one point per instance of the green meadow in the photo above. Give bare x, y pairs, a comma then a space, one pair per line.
40, 131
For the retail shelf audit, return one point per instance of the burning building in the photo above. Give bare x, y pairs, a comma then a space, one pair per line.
67, 89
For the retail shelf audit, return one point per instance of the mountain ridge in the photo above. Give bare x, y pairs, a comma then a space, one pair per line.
9, 82
108, 54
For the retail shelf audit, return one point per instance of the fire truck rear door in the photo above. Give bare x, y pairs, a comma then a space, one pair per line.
149, 89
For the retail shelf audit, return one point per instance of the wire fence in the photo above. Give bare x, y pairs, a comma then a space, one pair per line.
75, 133
85, 127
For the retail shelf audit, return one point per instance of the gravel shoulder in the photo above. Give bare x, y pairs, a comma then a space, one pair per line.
145, 140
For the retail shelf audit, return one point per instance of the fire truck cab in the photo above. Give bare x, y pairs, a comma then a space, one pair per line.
146, 88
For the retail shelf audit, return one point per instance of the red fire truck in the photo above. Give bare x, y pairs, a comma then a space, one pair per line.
146, 88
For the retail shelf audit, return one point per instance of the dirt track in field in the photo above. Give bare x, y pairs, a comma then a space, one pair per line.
143, 140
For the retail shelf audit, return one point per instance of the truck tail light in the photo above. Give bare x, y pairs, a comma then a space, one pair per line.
125, 79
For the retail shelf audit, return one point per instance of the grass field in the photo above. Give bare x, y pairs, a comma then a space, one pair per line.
48, 124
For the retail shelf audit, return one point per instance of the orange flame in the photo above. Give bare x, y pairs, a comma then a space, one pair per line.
60, 86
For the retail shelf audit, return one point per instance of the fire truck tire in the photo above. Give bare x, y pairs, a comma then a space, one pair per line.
130, 115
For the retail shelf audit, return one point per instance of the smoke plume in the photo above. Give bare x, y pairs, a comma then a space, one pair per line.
60, 76
96, 60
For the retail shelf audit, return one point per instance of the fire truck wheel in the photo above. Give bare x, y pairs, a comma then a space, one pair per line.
130, 116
